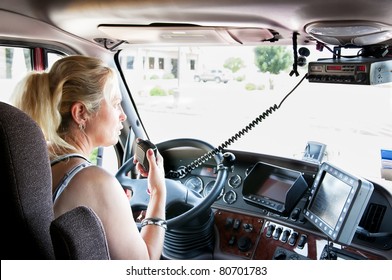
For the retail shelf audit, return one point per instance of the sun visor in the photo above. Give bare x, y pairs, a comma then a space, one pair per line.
174, 35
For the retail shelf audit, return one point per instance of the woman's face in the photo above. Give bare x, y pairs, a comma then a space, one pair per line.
105, 126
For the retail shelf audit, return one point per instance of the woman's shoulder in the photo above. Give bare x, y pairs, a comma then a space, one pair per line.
98, 174
98, 183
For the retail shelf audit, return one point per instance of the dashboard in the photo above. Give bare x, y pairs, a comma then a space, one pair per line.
250, 227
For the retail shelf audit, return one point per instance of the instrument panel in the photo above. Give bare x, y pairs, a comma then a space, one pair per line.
248, 231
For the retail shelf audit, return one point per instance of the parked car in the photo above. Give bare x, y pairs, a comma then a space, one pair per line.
218, 76
291, 162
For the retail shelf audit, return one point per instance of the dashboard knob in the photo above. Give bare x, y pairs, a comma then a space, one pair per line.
244, 243
228, 159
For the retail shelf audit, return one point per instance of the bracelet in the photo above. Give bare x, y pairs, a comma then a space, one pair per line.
154, 221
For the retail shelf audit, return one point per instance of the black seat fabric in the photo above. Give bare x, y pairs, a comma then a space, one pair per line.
67, 229
26, 199
26, 181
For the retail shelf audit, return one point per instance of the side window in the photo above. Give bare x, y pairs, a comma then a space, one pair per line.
110, 159
105, 157
14, 64
52, 58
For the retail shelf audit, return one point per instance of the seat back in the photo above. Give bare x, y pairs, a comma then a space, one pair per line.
67, 230
27, 216
26, 179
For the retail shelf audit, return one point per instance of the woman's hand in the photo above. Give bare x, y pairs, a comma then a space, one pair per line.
154, 235
156, 173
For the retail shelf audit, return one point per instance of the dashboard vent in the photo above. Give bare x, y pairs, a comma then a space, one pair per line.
372, 219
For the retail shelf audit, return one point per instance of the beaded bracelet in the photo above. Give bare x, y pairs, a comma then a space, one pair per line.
154, 221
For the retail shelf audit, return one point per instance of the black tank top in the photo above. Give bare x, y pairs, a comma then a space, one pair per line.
70, 174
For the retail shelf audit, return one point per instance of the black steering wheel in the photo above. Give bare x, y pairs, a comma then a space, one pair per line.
176, 191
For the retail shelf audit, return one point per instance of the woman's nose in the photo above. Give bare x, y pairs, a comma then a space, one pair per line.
123, 116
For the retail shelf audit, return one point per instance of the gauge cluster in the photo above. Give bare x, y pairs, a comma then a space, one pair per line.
202, 181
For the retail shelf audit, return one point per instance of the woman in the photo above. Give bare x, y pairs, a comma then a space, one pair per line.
78, 106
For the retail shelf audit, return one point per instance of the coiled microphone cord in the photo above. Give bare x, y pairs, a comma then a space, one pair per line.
185, 170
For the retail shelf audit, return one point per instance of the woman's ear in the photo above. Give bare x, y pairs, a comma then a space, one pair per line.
79, 113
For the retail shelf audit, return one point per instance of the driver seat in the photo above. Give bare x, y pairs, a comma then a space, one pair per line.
30, 231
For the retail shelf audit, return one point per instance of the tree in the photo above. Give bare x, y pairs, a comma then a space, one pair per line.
234, 64
272, 59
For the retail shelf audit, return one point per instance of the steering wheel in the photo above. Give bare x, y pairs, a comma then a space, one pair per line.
176, 191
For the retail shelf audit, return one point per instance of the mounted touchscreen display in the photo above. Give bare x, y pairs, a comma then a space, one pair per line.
337, 202
274, 188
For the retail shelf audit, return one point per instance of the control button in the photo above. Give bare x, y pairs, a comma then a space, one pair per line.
231, 240
247, 227
229, 223
293, 238
270, 230
277, 233
295, 214
302, 241
244, 243
302, 219
285, 235
237, 223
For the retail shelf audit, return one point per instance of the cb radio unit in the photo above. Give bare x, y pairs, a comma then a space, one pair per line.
360, 71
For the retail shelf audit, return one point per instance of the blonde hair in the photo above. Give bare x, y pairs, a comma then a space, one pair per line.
48, 96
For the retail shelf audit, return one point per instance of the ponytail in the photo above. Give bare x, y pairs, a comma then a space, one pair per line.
48, 96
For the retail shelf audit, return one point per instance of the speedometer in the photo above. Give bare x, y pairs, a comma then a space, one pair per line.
194, 183
208, 189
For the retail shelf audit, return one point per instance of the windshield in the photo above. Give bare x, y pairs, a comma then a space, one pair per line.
212, 93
